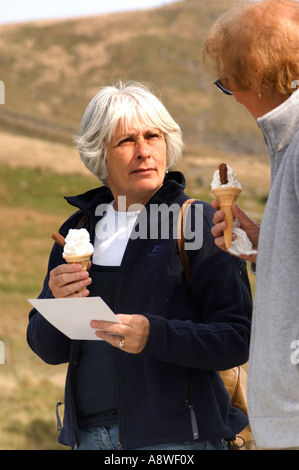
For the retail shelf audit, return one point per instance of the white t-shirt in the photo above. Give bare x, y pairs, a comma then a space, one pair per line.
111, 236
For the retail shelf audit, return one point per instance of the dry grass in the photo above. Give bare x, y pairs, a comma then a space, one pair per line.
20, 151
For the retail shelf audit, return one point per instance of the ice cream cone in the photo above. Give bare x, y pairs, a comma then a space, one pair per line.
79, 259
225, 197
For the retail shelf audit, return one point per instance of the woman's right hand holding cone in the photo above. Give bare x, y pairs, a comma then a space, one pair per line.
251, 228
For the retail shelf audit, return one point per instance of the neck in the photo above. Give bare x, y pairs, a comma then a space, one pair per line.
267, 103
122, 204
125, 203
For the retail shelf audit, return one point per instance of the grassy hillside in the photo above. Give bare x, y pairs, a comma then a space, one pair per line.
52, 69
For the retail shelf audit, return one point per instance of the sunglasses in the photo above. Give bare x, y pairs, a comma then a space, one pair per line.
224, 89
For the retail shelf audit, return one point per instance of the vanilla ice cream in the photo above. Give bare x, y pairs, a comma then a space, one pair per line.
226, 189
77, 243
232, 180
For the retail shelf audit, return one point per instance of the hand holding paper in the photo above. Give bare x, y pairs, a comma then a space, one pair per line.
132, 329
72, 316
91, 319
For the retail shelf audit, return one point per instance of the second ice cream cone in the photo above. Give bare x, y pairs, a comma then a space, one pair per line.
225, 197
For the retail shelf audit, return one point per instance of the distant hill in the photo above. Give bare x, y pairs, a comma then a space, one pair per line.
51, 70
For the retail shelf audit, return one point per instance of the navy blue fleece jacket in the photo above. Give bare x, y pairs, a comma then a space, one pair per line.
171, 392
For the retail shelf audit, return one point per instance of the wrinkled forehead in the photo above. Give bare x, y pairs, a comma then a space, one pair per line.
137, 121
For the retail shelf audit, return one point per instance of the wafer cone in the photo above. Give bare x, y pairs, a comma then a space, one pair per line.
79, 259
225, 197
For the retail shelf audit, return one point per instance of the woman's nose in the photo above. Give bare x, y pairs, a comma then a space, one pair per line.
142, 149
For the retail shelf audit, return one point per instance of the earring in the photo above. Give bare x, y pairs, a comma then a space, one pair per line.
260, 95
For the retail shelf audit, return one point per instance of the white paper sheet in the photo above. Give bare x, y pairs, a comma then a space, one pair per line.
73, 316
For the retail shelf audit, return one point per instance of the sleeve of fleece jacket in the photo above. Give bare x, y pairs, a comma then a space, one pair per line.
220, 338
45, 340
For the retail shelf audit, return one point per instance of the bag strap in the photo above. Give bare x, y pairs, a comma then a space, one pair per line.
82, 222
181, 238
186, 261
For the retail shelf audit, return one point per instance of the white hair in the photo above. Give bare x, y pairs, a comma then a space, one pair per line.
129, 104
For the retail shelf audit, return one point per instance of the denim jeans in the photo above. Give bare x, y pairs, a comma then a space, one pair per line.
106, 438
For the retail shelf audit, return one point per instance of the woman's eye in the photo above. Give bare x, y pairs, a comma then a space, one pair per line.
128, 139
154, 136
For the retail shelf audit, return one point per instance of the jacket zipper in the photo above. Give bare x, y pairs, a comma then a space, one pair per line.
118, 359
117, 367
193, 419
58, 420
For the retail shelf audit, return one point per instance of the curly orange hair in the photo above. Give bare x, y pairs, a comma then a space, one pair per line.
258, 43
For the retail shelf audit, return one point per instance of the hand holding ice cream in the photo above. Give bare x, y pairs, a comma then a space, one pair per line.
226, 189
77, 249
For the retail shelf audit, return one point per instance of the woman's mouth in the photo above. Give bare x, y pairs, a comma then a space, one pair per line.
143, 171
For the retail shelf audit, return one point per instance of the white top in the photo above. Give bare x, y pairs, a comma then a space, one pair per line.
111, 236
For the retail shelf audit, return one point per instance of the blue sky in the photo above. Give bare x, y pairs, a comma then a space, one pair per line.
25, 10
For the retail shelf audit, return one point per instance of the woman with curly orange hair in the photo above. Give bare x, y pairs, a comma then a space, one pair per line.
254, 49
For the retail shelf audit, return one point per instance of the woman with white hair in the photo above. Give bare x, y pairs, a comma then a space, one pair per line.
255, 50
153, 382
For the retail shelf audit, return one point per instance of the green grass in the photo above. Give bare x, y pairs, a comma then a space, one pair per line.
40, 190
